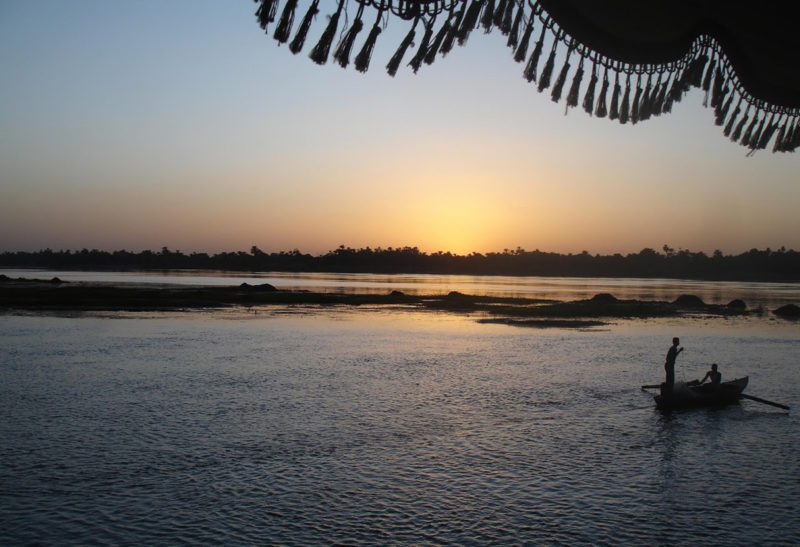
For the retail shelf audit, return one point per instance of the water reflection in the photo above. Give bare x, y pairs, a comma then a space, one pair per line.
370, 428
668, 438
767, 295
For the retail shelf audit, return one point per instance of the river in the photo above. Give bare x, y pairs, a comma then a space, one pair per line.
298, 426
755, 294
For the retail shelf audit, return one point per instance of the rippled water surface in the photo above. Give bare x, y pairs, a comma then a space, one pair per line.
388, 427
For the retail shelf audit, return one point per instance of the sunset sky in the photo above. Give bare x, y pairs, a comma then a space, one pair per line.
145, 124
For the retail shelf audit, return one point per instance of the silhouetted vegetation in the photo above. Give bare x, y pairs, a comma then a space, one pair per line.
753, 265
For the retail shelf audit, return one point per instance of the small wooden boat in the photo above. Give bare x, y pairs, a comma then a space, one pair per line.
688, 395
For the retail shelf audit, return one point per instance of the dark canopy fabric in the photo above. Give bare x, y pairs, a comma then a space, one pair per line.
629, 60
761, 39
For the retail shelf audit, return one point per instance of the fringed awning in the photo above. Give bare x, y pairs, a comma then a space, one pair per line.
623, 60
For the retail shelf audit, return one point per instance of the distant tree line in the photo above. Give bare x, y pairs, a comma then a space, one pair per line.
753, 265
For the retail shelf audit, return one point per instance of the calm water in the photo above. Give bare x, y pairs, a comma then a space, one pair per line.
322, 426
755, 294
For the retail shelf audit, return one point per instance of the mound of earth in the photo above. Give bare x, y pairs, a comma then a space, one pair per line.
789, 310
689, 301
263, 287
604, 298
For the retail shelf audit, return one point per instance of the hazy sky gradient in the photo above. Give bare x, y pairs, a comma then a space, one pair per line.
145, 124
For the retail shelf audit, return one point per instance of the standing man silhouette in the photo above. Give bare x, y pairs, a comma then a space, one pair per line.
669, 366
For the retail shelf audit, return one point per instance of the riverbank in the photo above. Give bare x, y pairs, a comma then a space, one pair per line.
755, 265
55, 295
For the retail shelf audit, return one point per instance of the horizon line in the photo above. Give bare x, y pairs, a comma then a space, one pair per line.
665, 250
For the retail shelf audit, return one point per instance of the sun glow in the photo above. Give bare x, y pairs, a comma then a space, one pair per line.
458, 223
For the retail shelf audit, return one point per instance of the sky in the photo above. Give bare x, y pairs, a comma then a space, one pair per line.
150, 124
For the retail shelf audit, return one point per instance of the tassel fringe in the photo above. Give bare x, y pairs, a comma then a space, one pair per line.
513, 34
602, 109
767, 133
422, 51
397, 58
721, 111
320, 52
300, 38
614, 113
635, 106
778, 146
547, 73
707, 81
452, 33
507, 24
732, 120
284, 28
533, 62
470, 21
718, 91
488, 17
646, 102
562, 78
738, 131
588, 99
744, 118
365, 55
574, 89
342, 53
522, 50
658, 104
500, 15
434, 48
749, 132
266, 13
626, 102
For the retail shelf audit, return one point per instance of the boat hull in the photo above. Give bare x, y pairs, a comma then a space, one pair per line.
684, 395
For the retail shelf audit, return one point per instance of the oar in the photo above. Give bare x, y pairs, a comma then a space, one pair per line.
758, 399
652, 386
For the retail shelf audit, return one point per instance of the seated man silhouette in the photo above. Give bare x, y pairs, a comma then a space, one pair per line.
714, 375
